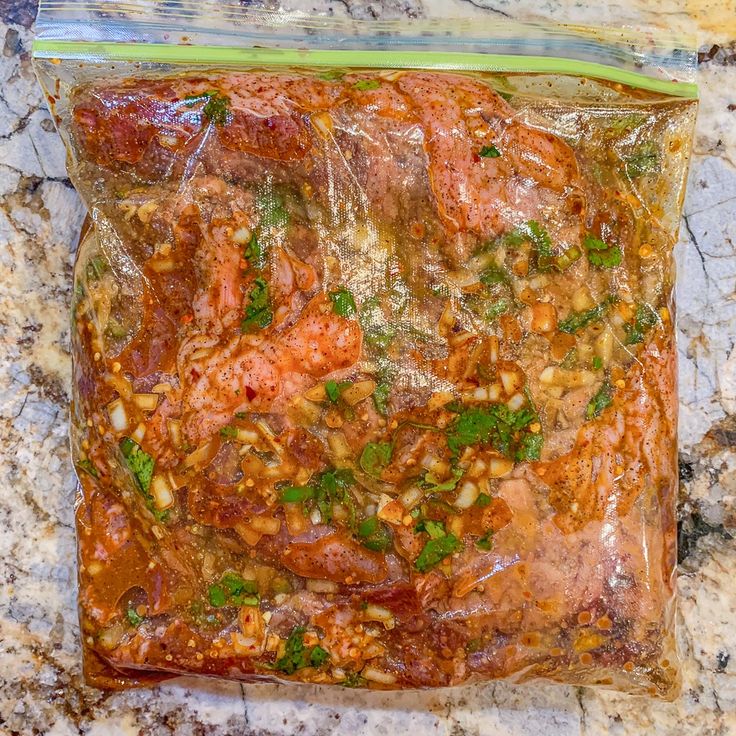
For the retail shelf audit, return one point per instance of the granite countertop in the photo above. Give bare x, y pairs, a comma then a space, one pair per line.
41, 688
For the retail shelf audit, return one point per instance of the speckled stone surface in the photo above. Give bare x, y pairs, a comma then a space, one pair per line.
41, 690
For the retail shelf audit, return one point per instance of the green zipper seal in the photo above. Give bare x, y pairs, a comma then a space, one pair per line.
385, 59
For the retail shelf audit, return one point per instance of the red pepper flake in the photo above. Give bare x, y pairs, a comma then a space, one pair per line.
186, 319
250, 393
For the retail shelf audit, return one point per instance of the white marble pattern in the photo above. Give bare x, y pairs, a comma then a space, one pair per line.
41, 690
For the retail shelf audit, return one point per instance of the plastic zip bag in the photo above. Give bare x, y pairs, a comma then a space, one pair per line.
374, 368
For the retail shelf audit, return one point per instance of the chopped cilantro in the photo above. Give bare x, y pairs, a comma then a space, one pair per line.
367, 84
375, 457
139, 463
435, 550
133, 618
645, 159
644, 320
570, 359
433, 485
229, 432
374, 535
96, 267
297, 656
241, 414
602, 399
270, 206
541, 242
333, 389
485, 542
435, 529
296, 494
579, 320
353, 679
489, 152
324, 490
597, 363
483, 500
601, 254
232, 590
87, 466
380, 398
331, 75
530, 447
258, 313
496, 425
499, 307
255, 253
493, 274
343, 302
216, 106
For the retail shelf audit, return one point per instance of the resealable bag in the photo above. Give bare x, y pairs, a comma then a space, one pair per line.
374, 366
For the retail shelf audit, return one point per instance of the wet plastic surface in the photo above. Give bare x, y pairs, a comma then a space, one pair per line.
375, 377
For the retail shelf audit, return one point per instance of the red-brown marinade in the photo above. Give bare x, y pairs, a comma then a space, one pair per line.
375, 379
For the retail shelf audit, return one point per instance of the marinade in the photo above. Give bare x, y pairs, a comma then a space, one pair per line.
375, 377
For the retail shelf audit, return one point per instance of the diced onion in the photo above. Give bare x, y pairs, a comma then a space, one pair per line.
247, 436
201, 353
544, 317
500, 466
373, 612
296, 522
265, 524
118, 415
552, 375
339, 445
516, 402
139, 433
109, 638
375, 675
439, 399
322, 586
316, 393
469, 492
511, 380
493, 345
315, 516
175, 431
146, 210
161, 388
202, 455
358, 391
241, 236
581, 299
390, 509
249, 536
411, 497
163, 498
163, 265
146, 402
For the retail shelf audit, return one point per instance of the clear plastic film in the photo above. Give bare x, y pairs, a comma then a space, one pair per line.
374, 367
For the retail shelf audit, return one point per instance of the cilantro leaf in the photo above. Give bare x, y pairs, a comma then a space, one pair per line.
485, 542
297, 656
579, 320
232, 590
255, 253
435, 529
483, 500
430, 483
499, 307
375, 457
645, 159
597, 363
343, 302
489, 152
271, 208
530, 447
216, 106
496, 425
603, 398
601, 254
644, 320
493, 274
229, 432
380, 398
367, 84
333, 389
435, 550
87, 466
139, 463
374, 535
258, 313
296, 494
133, 618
